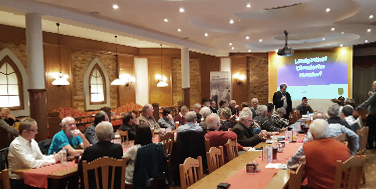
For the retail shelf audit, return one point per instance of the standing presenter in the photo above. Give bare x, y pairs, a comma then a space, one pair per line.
282, 98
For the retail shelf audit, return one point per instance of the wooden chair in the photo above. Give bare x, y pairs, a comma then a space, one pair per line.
349, 173
104, 163
207, 145
232, 149
215, 158
297, 177
168, 143
4, 177
363, 137
342, 137
191, 171
123, 135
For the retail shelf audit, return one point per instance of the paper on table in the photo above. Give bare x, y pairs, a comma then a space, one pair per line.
254, 149
275, 166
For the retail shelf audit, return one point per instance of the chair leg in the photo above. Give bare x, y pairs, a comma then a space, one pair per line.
364, 178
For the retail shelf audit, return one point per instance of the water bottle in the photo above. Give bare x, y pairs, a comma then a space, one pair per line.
64, 157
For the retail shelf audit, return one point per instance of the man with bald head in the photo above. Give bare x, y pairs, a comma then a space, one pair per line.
191, 125
146, 118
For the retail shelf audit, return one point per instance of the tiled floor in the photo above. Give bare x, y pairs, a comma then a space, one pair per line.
370, 170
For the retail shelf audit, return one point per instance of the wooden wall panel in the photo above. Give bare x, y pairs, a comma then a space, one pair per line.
239, 65
161, 95
126, 66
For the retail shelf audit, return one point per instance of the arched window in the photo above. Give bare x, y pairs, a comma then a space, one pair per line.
11, 90
97, 86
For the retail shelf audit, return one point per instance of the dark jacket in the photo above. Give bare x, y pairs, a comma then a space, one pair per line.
90, 134
278, 103
246, 137
340, 121
130, 129
101, 149
151, 162
265, 124
234, 111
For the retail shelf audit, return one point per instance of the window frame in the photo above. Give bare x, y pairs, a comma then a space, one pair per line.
96, 66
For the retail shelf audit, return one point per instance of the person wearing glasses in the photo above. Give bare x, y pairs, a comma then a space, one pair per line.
243, 130
24, 152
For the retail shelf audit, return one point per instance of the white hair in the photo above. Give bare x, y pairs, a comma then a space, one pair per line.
232, 101
64, 120
197, 105
254, 99
374, 82
205, 111
104, 131
281, 110
184, 108
244, 115
246, 109
212, 121
319, 128
333, 109
190, 116
261, 109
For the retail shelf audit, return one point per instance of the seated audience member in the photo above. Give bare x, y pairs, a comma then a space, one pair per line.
334, 113
197, 108
90, 131
24, 152
104, 147
321, 156
146, 118
70, 138
226, 123
166, 120
243, 130
304, 107
213, 106
254, 104
191, 123
205, 111
12, 132
181, 116
270, 108
233, 107
245, 105
347, 115
351, 102
130, 121
255, 127
222, 104
7, 117
219, 138
264, 122
335, 129
278, 119
143, 138
205, 102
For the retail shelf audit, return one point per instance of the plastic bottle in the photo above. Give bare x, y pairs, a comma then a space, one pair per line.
64, 157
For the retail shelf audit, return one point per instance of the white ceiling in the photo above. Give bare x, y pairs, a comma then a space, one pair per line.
140, 23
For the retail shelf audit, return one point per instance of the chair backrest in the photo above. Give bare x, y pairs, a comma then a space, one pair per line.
349, 173
232, 149
363, 137
104, 163
191, 171
215, 158
207, 145
296, 178
342, 137
4, 176
168, 142
123, 135
4, 158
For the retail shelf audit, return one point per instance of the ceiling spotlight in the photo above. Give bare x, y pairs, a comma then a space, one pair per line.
230, 44
166, 20
333, 29
327, 9
115, 6
179, 30
341, 45
249, 50
248, 5
366, 41
323, 38
232, 48
369, 30
260, 40
370, 16
181, 10
206, 34
231, 21
342, 32
247, 37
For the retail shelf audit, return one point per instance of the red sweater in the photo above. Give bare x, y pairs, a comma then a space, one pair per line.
321, 159
180, 119
219, 138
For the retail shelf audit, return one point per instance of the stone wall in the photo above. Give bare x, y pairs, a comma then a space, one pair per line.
18, 49
257, 76
80, 62
195, 81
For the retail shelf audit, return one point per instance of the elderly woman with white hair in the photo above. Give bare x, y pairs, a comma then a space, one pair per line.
278, 120
205, 111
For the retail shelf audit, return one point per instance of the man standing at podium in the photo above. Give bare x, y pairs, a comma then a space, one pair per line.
282, 98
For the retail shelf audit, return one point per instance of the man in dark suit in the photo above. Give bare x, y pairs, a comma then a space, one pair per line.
104, 147
282, 98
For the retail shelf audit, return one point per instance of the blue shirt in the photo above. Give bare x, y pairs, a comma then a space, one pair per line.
61, 139
189, 126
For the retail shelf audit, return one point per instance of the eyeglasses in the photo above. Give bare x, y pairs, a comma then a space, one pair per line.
36, 130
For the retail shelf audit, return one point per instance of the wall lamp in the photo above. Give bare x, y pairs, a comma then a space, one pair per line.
239, 78
127, 79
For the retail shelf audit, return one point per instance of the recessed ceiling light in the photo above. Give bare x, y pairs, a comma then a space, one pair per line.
333, 29
249, 50
366, 41
323, 38
232, 48
341, 45
166, 20
247, 37
369, 30
370, 16
342, 32
181, 10
206, 34
248, 5
115, 6
231, 21
327, 9
179, 30
260, 40
230, 44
